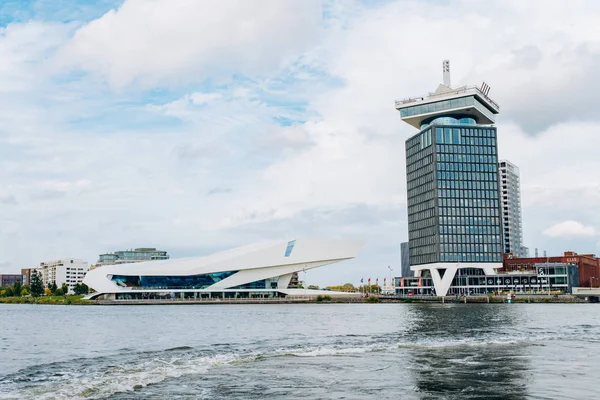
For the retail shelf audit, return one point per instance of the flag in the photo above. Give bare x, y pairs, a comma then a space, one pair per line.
361, 280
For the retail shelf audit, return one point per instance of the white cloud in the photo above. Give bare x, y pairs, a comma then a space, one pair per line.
227, 165
67, 185
23, 49
162, 42
7, 199
570, 229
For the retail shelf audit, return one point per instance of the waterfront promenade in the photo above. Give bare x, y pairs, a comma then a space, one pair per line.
78, 300
370, 299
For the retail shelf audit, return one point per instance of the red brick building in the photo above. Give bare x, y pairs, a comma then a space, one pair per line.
26, 272
588, 265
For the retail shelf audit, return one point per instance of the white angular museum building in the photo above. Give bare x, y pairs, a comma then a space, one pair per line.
260, 270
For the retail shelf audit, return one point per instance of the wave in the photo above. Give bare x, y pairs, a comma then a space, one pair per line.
444, 344
102, 381
179, 348
105, 376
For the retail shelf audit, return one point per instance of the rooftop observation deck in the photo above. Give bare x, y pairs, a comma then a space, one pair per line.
466, 101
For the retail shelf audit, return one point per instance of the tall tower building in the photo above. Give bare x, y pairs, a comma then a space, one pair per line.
512, 226
452, 183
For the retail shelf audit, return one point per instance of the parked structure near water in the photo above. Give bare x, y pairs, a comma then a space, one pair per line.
454, 220
258, 271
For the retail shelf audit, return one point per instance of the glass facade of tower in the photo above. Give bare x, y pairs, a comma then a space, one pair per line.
453, 194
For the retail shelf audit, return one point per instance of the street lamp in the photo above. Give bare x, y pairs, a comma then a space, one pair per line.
304, 270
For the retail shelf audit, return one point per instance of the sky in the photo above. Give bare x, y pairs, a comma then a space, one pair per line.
198, 126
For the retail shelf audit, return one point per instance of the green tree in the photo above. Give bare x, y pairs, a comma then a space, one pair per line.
348, 287
37, 289
59, 292
65, 288
369, 289
17, 286
9, 291
80, 289
53, 287
315, 287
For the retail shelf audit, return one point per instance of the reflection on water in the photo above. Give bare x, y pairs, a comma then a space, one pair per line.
327, 351
463, 355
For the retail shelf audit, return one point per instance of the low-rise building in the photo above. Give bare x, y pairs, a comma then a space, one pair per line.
546, 278
535, 275
67, 270
10, 279
140, 254
588, 265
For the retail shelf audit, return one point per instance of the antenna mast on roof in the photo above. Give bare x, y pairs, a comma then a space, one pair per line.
446, 69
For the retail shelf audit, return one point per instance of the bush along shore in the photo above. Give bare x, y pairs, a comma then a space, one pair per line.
36, 293
66, 300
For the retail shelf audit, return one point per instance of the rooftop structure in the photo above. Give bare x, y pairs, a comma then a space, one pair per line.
462, 103
140, 254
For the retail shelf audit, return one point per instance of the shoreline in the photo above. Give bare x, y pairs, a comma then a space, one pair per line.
520, 299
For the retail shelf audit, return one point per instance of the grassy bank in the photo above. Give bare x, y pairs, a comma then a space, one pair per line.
67, 300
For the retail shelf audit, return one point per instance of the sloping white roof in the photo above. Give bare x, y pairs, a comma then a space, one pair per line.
306, 253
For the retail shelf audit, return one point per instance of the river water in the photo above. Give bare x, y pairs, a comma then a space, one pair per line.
311, 351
